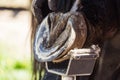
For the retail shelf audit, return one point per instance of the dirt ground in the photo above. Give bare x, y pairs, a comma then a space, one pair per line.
15, 31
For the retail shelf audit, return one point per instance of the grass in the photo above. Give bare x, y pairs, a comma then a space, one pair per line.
12, 68
15, 63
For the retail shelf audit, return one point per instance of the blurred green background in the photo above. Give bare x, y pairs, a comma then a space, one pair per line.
15, 56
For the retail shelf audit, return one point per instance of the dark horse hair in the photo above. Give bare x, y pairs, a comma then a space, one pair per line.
103, 15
